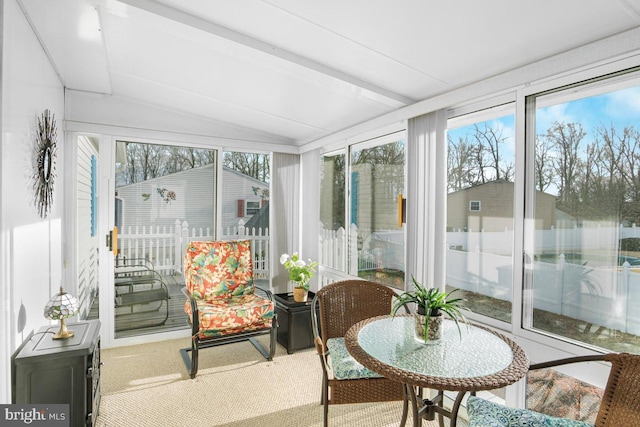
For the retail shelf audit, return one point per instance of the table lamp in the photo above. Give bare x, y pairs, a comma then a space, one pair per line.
59, 307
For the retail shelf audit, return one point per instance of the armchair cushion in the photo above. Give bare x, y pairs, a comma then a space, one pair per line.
220, 269
483, 413
224, 316
219, 280
343, 365
551, 392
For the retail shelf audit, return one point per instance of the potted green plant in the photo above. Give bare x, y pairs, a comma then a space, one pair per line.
300, 272
431, 304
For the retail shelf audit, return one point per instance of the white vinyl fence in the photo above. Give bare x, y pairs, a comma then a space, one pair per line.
361, 249
601, 293
554, 239
165, 246
607, 296
334, 246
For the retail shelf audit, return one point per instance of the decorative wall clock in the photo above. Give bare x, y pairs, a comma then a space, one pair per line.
45, 170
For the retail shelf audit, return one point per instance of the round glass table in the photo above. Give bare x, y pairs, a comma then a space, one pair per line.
470, 359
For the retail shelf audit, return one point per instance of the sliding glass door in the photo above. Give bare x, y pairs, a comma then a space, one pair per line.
164, 196
376, 234
138, 204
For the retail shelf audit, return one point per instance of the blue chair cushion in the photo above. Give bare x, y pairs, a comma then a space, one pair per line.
343, 365
483, 413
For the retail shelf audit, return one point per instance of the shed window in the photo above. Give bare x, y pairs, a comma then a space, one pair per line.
474, 206
253, 206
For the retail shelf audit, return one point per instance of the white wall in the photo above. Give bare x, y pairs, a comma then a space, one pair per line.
31, 251
86, 263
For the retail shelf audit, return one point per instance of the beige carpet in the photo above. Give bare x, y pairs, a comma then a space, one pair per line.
148, 385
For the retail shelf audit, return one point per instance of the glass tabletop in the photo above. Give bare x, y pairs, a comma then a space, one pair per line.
476, 353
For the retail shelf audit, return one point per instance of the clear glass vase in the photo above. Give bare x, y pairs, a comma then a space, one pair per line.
434, 331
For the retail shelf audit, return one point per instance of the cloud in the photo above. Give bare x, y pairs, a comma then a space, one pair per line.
624, 105
547, 116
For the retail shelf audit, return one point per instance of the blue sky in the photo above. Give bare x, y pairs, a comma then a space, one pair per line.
620, 108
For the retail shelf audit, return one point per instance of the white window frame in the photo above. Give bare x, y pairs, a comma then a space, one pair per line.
555, 346
246, 206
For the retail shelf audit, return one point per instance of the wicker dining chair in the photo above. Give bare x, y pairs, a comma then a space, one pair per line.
620, 405
335, 308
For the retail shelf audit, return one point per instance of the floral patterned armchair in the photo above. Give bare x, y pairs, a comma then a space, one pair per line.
222, 304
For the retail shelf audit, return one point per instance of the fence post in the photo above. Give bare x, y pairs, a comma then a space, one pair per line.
339, 252
626, 269
241, 229
353, 250
561, 269
177, 242
184, 239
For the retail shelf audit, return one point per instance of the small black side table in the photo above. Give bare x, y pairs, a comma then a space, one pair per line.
294, 322
67, 371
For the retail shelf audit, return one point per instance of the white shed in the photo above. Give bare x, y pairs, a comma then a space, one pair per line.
189, 195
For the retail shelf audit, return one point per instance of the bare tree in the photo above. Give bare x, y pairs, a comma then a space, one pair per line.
490, 140
566, 139
476, 158
621, 152
147, 161
543, 164
386, 154
332, 191
460, 172
251, 164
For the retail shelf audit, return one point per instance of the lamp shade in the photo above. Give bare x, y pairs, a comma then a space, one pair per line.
61, 306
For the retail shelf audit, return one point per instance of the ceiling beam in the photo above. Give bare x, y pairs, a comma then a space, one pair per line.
190, 20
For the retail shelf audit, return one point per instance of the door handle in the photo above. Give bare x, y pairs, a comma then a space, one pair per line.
402, 206
112, 241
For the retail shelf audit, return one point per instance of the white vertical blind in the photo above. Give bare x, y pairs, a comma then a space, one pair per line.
426, 199
285, 214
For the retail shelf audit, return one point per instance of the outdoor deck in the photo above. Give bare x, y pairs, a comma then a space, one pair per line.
146, 319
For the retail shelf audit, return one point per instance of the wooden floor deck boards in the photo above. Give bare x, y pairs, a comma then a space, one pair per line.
145, 319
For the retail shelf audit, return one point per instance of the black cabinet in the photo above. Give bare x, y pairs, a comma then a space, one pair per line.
294, 322
67, 371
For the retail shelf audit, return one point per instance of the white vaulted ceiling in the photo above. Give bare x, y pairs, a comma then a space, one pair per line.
294, 71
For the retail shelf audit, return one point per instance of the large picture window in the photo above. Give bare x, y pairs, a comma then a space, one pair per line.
582, 242
480, 209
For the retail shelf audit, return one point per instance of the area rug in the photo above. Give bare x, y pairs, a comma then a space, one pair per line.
148, 385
